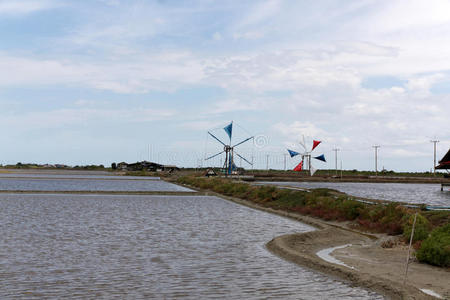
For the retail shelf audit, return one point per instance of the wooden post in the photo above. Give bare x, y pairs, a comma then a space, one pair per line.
409, 249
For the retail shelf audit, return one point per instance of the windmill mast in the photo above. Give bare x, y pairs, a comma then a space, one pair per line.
225, 166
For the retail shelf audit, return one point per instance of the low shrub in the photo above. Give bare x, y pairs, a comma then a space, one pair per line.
437, 218
435, 249
288, 198
421, 230
351, 209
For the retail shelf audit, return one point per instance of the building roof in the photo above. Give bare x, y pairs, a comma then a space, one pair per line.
444, 163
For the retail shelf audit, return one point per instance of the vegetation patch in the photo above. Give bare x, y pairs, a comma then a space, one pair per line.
393, 218
435, 249
421, 228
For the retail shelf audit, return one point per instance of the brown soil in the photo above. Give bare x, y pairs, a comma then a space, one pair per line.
375, 267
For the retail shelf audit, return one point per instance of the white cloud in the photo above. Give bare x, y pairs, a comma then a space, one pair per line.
249, 35
14, 7
290, 70
80, 117
419, 86
260, 13
406, 153
201, 125
410, 15
217, 36
164, 72
231, 105
297, 129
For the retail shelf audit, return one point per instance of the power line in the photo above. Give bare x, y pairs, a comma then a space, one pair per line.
434, 165
335, 158
376, 158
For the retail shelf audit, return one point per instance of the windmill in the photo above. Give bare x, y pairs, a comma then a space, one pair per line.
229, 151
306, 155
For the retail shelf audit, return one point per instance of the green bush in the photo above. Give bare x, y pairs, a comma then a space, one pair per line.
350, 208
421, 230
435, 250
288, 198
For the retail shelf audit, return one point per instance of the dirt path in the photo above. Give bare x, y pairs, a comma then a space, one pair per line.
372, 259
367, 263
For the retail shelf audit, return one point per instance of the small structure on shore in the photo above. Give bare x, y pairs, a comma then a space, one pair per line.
444, 164
210, 172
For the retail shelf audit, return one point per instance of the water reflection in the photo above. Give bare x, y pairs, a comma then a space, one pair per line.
402, 192
73, 175
50, 184
86, 246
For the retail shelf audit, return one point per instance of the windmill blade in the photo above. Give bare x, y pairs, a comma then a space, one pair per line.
214, 155
243, 141
321, 157
292, 153
243, 158
312, 170
299, 167
315, 144
229, 129
216, 138
303, 144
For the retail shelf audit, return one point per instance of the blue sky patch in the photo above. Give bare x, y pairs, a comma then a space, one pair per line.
382, 82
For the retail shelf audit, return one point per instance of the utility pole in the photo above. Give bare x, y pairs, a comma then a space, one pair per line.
285, 161
434, 165
335, 158
376, 158
267, 162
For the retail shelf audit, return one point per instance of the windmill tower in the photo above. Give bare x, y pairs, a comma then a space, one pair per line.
305, 163
229, 151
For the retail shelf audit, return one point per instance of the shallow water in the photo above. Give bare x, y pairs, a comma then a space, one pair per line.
58, 184
402, 192
69, 175
325, 254
115, 246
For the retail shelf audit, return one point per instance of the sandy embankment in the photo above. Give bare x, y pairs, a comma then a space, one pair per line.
369, 265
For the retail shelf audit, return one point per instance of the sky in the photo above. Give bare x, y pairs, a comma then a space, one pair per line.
102, 81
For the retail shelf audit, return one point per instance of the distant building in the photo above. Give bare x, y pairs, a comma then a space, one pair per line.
122, 166
170, 168
210, 172
48, 166
444, 163
146, 166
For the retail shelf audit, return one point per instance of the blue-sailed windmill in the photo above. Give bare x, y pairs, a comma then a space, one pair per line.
229, 151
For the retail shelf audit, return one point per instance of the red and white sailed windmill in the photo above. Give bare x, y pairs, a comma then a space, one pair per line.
306, 155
